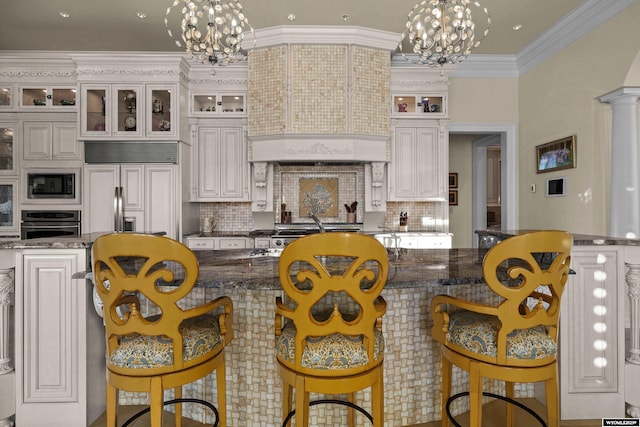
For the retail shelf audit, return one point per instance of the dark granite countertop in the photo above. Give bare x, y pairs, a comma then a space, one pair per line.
578, 239
414, 268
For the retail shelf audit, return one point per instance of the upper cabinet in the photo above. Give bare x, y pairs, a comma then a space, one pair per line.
419, 105
207, 104
419, 166
222, 167
6, 96
39, 97
128, 111
51, 141
8, 164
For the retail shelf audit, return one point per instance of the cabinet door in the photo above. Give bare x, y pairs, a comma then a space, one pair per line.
160, 109
95, 110
51, 340
222, 164
65, 144
37, 140
100, 182
416, 165
160, 199
128, 103
8, 158
592, 335
132, 181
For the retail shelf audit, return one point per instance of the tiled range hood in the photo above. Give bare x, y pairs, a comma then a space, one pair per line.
320, 95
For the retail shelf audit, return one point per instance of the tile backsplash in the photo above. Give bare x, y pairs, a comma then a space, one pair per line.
238, 217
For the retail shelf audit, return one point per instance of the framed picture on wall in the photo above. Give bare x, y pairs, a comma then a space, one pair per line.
453, 180
556, 155
453, 197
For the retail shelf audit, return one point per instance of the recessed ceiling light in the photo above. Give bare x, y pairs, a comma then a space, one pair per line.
517, 27
64, 14
141, 15
291, 17
345, 17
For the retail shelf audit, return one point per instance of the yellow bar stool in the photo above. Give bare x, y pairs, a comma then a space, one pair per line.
169, 347
329, 331
515, 340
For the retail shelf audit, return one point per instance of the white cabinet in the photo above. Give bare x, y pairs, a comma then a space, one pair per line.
425, 105
51, 141
40, 97
592, 335
222, 166
8, 147
50, 339
149, 198
418, 169
208, 104
219, 243
128, 111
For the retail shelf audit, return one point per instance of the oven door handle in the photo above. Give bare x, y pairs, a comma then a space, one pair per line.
49, 227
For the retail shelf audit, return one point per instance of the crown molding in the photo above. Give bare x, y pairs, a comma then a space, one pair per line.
582, 20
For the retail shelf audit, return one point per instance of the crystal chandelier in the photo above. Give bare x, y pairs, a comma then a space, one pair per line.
442, 31
211, 30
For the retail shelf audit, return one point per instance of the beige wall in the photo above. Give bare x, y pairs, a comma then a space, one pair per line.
460, 216
559, 98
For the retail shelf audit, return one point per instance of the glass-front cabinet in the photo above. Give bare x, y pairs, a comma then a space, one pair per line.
127, 103
7, 149
9, 221
419, 105
160, 110
6, 96
217, 104
40, 97
115, 111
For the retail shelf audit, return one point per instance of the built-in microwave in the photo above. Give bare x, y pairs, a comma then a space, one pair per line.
52, 185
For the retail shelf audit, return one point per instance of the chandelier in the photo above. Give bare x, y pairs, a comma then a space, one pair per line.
442, 31
211, 30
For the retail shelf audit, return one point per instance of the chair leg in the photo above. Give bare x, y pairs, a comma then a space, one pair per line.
351, 414
112, 405
221, 384
475, 396
156, 397
509, 393
553, 410
286, 399
446, 390
377, 400
177, 394
302, 403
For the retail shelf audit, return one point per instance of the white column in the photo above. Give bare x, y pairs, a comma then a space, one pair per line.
7, 375
624, 204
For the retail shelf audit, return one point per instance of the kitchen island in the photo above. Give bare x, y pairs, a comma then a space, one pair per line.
249, 278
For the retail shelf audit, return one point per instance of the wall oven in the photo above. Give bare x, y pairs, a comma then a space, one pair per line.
37, 224
52, 185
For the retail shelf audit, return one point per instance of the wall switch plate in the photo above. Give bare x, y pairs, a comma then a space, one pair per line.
533, 188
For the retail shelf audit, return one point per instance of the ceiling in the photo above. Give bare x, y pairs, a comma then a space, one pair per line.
112, 25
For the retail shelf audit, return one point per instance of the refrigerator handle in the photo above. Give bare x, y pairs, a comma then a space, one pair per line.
118, 210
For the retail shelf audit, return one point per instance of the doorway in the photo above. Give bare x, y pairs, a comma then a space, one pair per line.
489, 136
